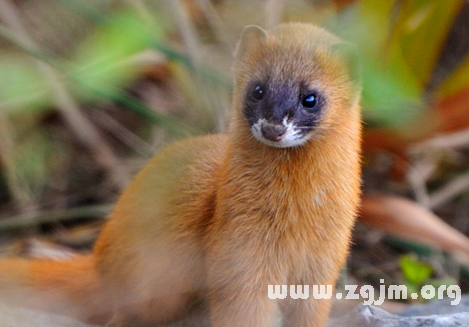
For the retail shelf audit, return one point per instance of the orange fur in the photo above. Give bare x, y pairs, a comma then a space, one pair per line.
216, 219
69, 288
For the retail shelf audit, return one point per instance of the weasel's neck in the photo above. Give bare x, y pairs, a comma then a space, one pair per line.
244, 150
328, 161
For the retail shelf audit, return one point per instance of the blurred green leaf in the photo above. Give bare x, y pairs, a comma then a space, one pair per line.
415, 272
400, 43
22, 85
419, 33
101, 62
377, 15
391, 92
388, 98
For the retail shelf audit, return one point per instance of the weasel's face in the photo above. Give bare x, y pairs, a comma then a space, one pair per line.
293, 82
282, 114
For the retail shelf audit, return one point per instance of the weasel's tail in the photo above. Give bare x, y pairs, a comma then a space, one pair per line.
71, 288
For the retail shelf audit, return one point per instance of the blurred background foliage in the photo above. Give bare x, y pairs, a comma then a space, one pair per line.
91, 89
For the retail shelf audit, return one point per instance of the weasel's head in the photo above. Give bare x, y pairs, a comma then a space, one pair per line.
294, 82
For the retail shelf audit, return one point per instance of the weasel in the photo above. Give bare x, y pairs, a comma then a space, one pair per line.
215, 220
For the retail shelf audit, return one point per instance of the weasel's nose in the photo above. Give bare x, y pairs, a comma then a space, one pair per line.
273, 132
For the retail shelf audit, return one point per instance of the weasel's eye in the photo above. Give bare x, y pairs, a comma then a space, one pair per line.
310, 101
258, 93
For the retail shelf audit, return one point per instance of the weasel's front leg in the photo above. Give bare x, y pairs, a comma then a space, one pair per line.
308, 312
243, 308
238, 292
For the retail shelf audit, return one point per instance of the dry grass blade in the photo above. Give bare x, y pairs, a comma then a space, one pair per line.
410, 220
34, 218
78, 123
187, 30
453, 188
86, 132
39, 249
418, 175
274, 11
216, 24
453, 140
107, 122
7, 145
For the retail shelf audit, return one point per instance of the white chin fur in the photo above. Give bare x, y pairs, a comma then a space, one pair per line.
290, 139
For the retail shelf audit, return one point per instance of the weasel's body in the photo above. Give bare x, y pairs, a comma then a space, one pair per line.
217, 219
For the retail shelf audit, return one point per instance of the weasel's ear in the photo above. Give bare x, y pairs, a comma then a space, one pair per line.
349, 53
251, 36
